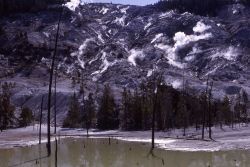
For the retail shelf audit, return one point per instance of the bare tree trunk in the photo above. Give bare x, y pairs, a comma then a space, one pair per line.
204, 111
196, 125
50, 83
87, 132
153, 122
40, 122
203, 124
40, 155
184, 115
209, 111
183, 104
184, 129
56, 150
55, 102
232, 119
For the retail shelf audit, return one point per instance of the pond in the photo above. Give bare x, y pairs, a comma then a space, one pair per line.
82, 152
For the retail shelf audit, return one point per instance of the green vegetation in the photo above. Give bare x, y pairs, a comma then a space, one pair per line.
107, 116
26, 117
73, 117
201, 7
88, 112
173, 109
13, 6
134, 111
6, 108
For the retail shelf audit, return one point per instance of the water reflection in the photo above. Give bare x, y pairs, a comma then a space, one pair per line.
99, 153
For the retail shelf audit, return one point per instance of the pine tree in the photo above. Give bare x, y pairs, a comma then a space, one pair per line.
244, 105
238, 108
226, 111
159, 104
168, 107
107, 116
137, 111
90, 111
26, 117
73, 117
126, 110
182, 115
203, 100
201, 7
6, 108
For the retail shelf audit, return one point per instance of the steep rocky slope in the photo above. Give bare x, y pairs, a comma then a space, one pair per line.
124, 45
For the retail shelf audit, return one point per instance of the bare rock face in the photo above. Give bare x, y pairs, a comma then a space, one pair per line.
124, 45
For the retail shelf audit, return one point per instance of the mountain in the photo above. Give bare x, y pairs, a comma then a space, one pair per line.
124, 45
13, 6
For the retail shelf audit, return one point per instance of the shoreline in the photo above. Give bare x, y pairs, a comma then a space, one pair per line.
224, 140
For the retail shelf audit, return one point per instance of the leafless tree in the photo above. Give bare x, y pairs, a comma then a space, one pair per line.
50, 82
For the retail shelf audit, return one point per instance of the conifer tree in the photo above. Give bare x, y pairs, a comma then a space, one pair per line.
73, 117
238, 108
181, 118
146, 106
6, 108
107, 116
203, 102
226, 112
90, 110
168, 107
219, 113
26, 117
244, 105
126, 113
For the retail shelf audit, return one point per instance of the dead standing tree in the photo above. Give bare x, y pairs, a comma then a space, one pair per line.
153, 120
55, 101
51, 80
40, 122
158, 80
209, 110
183, 103
204, 111
157, 83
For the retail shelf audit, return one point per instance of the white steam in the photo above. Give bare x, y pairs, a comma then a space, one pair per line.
181, 41
230, 54
80, 52
73, 4
135, 54
201, 27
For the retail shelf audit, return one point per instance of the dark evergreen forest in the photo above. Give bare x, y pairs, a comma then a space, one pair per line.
13, 6
200, 7
174, 108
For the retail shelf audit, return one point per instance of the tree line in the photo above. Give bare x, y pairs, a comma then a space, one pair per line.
173, 109
86, 114
201, 7
14, 6
8, 113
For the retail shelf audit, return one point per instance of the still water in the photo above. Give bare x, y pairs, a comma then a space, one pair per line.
102, 153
